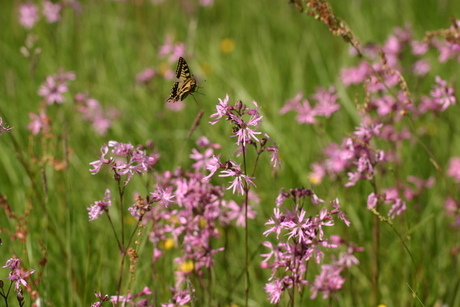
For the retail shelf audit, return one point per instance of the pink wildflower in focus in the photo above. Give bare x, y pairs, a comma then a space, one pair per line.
303, 240
28, 15
163, 196
100, 206
240, 182
17, 275
274, 290
245, 132
51, 11
443, 95
131, 161
454, 169
222, 109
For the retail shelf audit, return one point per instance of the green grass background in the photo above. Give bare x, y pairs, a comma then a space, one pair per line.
278, 52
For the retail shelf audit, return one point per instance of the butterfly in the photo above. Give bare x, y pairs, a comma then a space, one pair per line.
186, 84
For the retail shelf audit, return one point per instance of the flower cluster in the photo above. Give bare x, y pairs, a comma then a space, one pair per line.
172, 51
129, 160
325, 106
128, 300
17, 274
100, 206
245, 130
191, 218
301, 238
29, 12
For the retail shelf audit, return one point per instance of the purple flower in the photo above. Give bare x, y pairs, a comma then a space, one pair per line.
222, 110
328, 282
17, 274
355, 75
274, 290
238, 185
292, 104
398, 208
92, 111
163, 196
421, 67
202, 160
419, 48
326, 102
213, 165
103, 160
443, 95
236, 212
306, 114
28, 15
454, 169
100, 206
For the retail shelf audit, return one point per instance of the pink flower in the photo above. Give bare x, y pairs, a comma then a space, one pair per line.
51, 11
145, 76
39, 122
443, 95
454, 169
28, 15
52, 90
100, 206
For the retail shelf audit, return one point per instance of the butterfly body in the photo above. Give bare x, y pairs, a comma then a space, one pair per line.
186, 84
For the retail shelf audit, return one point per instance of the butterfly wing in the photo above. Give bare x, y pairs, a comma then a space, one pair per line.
186, 88
173, 95
186, 85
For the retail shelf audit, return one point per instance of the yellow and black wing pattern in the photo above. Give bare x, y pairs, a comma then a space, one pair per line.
186, 85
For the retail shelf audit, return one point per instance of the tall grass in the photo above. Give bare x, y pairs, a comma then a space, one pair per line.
276, 53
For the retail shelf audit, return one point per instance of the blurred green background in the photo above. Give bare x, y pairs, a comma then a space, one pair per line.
277, 52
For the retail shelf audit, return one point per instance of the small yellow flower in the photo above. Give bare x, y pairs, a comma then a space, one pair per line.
227, 45
187, 266
203, 223
167, 244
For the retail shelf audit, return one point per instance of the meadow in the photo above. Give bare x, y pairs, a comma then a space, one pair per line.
316, 163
